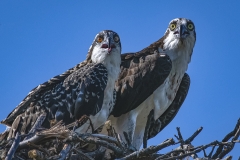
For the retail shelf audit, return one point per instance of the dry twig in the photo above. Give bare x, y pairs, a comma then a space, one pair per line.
14, 147
48, 144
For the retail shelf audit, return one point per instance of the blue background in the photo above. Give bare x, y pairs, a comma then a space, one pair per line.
41, 39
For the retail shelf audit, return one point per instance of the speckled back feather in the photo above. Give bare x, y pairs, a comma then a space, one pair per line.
42, 88
59, 101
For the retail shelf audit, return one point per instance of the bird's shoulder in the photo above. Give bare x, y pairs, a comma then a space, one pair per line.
89, 72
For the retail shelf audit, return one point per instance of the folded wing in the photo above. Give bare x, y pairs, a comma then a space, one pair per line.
140, 75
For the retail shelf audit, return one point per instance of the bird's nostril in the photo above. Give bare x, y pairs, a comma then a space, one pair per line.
104, 46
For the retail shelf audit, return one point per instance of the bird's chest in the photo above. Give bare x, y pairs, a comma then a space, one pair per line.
108, 95
171, 86
109, 98
162, 97
165, 94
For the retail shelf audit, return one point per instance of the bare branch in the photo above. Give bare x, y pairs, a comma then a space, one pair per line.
200, 148
37, 125
14, 147
190, 139
210, 154
88, 138
80, 153
106, 138
179, 137
231, 145
49, 144
225, 139
149, 150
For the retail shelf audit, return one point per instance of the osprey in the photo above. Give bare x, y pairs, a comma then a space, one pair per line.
151, 87
87, 89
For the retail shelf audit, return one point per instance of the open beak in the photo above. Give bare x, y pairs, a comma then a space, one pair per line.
182, 32
109, 46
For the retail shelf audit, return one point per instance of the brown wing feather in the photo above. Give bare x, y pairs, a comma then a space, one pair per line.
59, 101
141, 73
38, 90
44, 87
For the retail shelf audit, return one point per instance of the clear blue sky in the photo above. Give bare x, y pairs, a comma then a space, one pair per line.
41, 39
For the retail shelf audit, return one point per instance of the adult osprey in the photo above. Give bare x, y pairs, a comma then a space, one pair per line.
87, 89
148, 84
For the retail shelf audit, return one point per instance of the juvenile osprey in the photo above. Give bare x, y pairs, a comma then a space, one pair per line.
87, 89
149, 81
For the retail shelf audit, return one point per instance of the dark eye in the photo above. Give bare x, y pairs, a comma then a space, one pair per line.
99, 39
190, 26
172, 26
116, 38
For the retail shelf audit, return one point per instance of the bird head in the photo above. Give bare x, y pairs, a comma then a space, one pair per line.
180, 33
106, 45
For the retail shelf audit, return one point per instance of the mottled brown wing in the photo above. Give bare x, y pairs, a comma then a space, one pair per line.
81, 93
154, 127
141, 73
38, 91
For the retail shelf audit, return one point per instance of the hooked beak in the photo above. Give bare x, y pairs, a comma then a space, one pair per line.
182, 32
110, 46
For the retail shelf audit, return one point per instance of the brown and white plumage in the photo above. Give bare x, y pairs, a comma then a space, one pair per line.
87, 89
177, 44
140, 75
153, 127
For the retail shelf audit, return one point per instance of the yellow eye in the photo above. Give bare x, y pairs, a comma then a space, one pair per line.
116, 38
172, 26
99, 39
190, 26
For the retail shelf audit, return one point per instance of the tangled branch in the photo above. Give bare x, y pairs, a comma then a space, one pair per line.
61, 142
